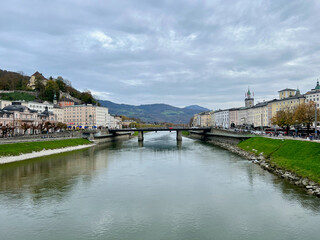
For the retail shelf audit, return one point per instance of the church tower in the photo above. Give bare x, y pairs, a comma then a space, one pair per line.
55, 102
249, 101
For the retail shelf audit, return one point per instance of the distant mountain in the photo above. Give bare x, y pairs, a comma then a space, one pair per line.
151, 112
197, 107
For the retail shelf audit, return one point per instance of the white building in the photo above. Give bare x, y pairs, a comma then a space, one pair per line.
222, 118
314, 95
5, 103
102, 116
40, 106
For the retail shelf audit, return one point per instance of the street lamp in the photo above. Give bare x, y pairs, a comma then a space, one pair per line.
315, 121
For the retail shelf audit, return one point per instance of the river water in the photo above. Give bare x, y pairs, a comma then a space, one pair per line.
161, 190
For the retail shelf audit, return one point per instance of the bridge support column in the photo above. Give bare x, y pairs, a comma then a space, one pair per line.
179, 135
91, 137
140, 136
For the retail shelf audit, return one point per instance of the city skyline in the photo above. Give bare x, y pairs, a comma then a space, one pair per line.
181, 53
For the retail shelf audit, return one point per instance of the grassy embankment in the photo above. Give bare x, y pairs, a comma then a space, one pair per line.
14, 149
17, 96
185, 133
300, 157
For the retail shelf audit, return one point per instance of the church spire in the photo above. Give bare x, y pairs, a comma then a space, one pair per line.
318, 86
248, 93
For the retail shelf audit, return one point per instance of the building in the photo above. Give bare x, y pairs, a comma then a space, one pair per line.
22, 116
33, 80
249, 101
205, 119
59, 112
314, 95
222, 118
128, 123
286, 93
290, 102
213, 120
47, 116
40, 106
6, 118
102, 116
234, 117
260, 115
87, 116
66, 102
4, 103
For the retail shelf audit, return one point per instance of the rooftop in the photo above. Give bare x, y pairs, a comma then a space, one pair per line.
287, 89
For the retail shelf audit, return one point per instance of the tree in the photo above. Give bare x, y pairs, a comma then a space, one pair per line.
51, 88
87, 97
305, 114
25, 127
61, 84
61, 126
284, 119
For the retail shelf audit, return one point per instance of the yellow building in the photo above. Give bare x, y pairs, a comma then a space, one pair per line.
293, 100
33, 80
260, 115
286, 93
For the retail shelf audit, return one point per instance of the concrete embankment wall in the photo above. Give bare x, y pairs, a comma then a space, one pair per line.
111, 137
42, 137
218, 137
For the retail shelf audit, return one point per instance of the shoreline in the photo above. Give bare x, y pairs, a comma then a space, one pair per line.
42, 153
311, 187
308, 185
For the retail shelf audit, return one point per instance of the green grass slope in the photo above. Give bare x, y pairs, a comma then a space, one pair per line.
15, 149
301, 157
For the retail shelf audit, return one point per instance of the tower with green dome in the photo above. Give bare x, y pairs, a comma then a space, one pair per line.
249, 101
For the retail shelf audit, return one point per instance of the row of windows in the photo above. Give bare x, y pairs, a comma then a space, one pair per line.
312, 100
313, 96
293, 101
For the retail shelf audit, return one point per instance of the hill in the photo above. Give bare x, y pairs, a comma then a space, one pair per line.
197, 107
151, 112
18, 83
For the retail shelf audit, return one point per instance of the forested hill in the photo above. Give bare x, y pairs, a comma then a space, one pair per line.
18, 81
151, 112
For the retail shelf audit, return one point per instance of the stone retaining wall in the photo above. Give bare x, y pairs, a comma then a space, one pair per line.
42, 137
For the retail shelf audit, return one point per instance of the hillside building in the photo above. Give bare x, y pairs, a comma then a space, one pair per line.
33, 80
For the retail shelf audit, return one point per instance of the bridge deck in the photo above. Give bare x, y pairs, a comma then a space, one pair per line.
158, 129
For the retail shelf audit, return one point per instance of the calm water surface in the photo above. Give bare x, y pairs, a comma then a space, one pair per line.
160, 190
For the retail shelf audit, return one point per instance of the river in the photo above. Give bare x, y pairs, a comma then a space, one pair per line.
161, 190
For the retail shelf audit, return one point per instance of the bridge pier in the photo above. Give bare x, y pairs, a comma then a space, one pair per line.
140, 136
91, 137
179, 135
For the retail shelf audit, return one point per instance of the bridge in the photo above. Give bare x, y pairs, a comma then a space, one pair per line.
168, 129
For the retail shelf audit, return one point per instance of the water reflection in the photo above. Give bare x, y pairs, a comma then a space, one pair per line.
52, 176
162, 189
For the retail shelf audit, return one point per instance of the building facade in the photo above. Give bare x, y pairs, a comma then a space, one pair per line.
87, 116
222, 118
314, 95
40, 106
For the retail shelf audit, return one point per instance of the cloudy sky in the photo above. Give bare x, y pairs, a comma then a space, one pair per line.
179, 52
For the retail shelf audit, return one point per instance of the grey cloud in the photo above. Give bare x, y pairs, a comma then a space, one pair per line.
175, 52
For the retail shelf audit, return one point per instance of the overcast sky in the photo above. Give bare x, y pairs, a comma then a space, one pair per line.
178, 52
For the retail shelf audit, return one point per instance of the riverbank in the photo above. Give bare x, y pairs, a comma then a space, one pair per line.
27, 150
296, 161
